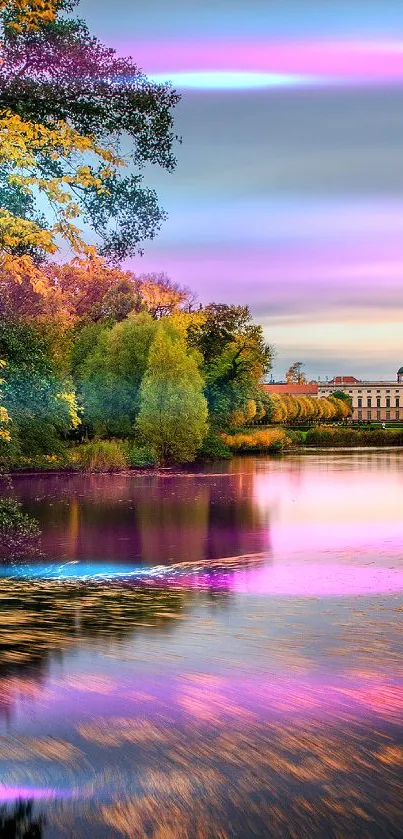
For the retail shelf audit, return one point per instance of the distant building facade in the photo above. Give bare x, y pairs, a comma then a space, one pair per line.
377, 401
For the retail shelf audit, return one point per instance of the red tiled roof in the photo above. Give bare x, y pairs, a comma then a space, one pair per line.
344, 380
293, 389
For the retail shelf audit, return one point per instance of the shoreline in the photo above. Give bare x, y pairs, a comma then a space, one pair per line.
179, 471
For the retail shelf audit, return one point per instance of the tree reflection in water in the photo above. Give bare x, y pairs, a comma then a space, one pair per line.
19, 822
150, 520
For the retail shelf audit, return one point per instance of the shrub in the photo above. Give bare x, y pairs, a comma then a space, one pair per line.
296, 436
141, 456
19, 532
323, 436
100, 456
264, 440
214, 448
38, 437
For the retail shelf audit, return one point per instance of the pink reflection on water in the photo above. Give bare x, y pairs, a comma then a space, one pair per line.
9, 794
318, 580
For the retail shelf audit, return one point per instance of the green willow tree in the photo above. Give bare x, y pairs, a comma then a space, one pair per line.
108, 365
173, 411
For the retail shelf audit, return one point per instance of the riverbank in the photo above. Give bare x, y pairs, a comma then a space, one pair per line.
122, 457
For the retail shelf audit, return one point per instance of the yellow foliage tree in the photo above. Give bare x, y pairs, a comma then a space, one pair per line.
29, 14
279, 408
22, 144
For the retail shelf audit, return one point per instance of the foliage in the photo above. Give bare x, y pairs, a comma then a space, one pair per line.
288, 408
235, 357
294, 374
66, 104
161, 297
340, 394
141, 456
258, 440
28, 15
4, 417
110, 376
99, 456
173, 411
40, 404
325, 436
213, 448
19, 532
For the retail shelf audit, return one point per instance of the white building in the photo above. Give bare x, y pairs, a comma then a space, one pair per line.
380, 401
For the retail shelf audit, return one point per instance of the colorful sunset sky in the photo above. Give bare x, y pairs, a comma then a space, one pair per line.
288, 194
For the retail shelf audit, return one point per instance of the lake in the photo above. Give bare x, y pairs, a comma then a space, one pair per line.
210, 654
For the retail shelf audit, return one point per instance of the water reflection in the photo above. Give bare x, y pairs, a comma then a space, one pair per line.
152, 520
20, 823
222, 659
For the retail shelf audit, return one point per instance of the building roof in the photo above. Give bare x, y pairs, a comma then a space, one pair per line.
400, 371
343, 380
310, 389
362, 383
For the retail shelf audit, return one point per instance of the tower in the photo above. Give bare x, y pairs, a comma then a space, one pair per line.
400, 376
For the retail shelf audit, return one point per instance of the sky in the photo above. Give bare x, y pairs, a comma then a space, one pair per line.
288, 192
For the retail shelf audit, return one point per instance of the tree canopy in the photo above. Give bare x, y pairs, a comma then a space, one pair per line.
295, 374
236, 357
173, 411
77, 125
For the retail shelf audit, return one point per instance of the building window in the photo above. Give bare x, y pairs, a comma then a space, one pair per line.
397, 414
378, 391
360, 401
360, 415
378, 401
378, 415
388, 401
388, 415
397, 401
369, 415
369, 402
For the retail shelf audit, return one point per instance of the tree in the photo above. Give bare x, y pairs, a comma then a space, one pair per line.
236, 357
41, 404
161, 297
68, 105
345, 397
294, 374
108, 366
173, 411
27, 15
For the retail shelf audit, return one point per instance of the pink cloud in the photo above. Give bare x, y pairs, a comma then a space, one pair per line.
345, 60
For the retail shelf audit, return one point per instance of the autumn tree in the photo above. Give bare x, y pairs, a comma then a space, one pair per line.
173, 411
162, 297
294, 374
279, 412
77, 125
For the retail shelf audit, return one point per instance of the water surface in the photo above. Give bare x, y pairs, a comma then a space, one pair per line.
213, 654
